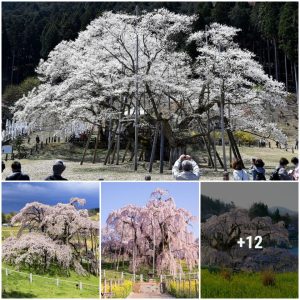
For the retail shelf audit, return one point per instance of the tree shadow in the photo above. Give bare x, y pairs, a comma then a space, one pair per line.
16, 294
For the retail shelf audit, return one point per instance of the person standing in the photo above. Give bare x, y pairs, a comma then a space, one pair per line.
281, 172
295, 173
258, 171
239, 174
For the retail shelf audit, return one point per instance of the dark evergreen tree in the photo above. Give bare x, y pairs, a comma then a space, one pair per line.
258, 209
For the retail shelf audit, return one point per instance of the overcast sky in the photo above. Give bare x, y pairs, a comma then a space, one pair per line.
281, 194
115, 195
16, 194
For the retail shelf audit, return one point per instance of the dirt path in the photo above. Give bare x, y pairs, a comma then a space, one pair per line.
149, 289
148, 295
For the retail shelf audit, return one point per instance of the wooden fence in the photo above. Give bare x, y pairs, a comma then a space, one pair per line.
48, 280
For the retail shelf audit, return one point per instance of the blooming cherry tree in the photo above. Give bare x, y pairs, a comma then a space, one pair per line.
94, 79
156, 236
61, 235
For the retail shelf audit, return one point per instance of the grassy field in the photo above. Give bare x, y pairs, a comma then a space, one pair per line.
244, 285
39, 167
11, 231
17, 285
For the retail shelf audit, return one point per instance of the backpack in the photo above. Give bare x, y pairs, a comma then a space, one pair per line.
261, 176
275, 175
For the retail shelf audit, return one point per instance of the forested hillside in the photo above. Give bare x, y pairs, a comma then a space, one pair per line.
30, 30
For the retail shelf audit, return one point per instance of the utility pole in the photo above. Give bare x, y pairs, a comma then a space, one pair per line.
229, 123
153, 271
136, 119
223, 127
222, 100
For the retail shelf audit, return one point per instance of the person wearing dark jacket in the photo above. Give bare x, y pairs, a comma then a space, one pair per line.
258, 170
281, 173
58, 169
17, 173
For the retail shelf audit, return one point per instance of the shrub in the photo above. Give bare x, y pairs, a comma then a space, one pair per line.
120, 291
244, 137
183, 289
268, 278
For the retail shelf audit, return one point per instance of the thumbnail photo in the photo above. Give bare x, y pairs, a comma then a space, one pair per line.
150, 240
50, 240
249, 240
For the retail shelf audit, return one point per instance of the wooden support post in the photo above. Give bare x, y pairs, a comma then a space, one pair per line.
118, 139
171, 158
57, 282
162, 145
104, 287
114, 153
87, 144
30, 277
126, 150
207, 143
141, 154
153, 147
106, 160
235, 148
96, 144
110, 286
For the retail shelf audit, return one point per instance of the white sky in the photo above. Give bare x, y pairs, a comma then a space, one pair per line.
279, 194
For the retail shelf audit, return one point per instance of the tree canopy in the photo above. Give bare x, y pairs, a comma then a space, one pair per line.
80, 77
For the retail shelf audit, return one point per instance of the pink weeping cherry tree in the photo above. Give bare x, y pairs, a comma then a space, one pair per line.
60, 237
220, 234
157, 236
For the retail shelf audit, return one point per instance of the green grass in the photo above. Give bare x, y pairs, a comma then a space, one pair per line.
248, 285
11, 232
17, 285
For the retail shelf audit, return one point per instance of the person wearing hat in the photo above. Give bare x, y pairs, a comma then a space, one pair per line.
185, 168
58, 169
